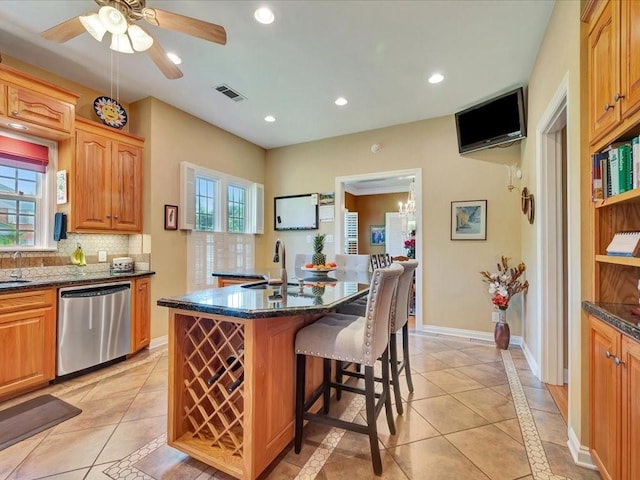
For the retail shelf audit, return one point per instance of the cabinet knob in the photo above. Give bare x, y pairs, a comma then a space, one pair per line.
607, 106
618, 97
109, 216
618, 362
115, 216
607, 354
14, 112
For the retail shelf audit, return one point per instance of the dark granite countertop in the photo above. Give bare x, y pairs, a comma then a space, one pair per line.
617, 315
254, 274
257, 300
66, 280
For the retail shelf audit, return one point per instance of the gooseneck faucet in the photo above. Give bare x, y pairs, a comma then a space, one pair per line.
17, 273
281, 252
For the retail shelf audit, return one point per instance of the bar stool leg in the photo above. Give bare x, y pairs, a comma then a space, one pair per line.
326, 381
338, 379
300, 381
405, 355
386, 392
393, 347
370, 401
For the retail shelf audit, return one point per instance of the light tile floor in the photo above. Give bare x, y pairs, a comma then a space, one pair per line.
467, 419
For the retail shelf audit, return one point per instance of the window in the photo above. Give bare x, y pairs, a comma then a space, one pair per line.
27, 189
19, 197
205, 204
236, 208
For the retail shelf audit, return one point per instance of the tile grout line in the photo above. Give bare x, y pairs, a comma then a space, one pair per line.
536, 454
319, 457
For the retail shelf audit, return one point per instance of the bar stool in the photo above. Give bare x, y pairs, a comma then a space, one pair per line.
357, 339
399, 320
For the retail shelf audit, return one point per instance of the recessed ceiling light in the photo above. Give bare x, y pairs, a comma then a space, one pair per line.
264, 15
436, 78
341, 101
17, 126
270, 118
174, 58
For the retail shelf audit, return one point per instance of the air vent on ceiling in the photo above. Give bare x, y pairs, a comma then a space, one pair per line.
229, 92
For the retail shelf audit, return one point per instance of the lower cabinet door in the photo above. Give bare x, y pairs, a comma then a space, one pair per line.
27, 356
630, 446
141, 324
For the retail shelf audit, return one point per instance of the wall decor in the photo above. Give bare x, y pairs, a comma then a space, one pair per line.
170, 217
469, 220
377, 235
528, 205
61, 187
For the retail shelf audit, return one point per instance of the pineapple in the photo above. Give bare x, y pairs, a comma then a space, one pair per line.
318, 244
317, 291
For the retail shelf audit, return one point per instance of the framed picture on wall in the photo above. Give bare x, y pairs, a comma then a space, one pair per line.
469, 220
377, 235
170, 217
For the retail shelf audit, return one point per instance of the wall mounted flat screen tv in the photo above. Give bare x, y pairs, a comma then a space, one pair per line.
296, 212
499, 120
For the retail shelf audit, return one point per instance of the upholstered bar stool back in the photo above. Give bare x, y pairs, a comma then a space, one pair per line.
399, 321
358, 339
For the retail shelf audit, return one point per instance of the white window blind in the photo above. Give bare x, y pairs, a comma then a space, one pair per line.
351, 233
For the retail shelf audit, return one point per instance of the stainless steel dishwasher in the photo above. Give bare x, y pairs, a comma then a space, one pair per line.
94, 325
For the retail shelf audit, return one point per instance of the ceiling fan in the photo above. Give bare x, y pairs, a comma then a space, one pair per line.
119, 18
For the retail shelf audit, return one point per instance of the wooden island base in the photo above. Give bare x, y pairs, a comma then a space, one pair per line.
239, 430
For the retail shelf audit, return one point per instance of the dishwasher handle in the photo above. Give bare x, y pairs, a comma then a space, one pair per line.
94, 292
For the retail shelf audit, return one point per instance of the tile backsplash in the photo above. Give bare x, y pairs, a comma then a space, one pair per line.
39, 264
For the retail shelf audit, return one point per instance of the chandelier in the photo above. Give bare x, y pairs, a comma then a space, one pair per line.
409, 207
125, 38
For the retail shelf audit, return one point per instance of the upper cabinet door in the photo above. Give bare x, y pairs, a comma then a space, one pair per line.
630, 55
604, 111
39, 109
3, 99
126, 187
92, 202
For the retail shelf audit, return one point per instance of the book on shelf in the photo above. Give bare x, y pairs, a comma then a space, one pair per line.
624, 244
635, 156
596, 176
625, 168
606, 178
614, 171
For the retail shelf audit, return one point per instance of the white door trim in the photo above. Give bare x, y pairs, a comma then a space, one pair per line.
340, 211
549, 226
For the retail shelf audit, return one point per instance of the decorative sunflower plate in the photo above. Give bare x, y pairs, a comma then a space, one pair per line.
110, 112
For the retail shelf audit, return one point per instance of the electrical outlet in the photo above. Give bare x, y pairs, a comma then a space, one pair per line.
308, 238
329, 238
102, 255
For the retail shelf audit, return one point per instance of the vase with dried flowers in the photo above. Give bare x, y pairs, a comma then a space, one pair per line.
503, 285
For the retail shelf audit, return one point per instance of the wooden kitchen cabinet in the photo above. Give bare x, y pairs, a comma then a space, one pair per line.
614, 410
105, 180
28, 339
46, 109
141, 321
614, 69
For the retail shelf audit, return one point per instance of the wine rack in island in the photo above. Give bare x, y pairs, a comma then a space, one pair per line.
231, 388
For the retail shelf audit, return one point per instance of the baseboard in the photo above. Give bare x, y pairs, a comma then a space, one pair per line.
531, 360
159, 342
580, 453
464, 334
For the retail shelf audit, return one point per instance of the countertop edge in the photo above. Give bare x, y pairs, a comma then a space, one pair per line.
51, 282
625, 323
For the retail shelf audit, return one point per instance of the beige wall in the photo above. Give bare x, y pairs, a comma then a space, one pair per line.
559, 56
174, 136
453, 294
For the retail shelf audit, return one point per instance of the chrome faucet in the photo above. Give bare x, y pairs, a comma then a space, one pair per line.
17, 273
280, 250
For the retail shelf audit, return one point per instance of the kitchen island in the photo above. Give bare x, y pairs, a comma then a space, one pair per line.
232, 369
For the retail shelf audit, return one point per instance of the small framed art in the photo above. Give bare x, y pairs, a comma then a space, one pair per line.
469, 220
170, 217
377, 235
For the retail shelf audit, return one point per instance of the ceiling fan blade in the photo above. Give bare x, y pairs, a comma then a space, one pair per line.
64, 31
166, 66
190, 26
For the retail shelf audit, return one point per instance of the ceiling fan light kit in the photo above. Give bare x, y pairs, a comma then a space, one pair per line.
93, 25
120, 43
112, 19
140, 40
